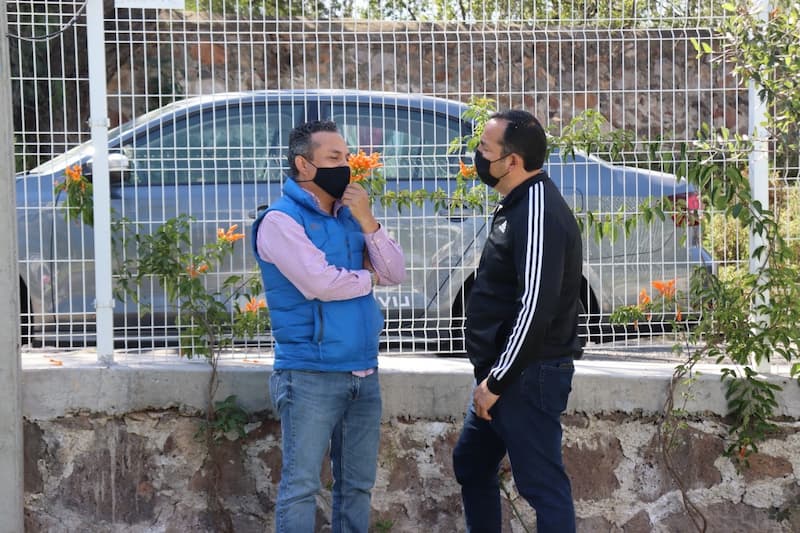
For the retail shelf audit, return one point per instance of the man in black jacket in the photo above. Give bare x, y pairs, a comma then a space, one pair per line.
521, 333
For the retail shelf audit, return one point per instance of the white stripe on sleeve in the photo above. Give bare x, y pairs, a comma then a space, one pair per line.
533, 271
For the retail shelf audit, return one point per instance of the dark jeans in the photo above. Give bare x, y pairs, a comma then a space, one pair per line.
526, 424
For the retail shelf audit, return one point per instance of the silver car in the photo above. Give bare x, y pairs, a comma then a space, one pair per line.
221, 159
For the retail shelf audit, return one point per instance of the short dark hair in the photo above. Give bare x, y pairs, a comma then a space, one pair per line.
300, 140
524, 135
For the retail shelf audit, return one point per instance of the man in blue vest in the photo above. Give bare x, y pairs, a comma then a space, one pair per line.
321, 251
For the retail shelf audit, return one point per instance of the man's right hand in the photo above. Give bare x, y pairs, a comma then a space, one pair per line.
356, 198
368, 266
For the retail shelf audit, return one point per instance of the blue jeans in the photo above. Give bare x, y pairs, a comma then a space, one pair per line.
318, 410
526, 424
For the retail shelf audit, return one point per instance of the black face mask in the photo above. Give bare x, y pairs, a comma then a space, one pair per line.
482, 166
332, 180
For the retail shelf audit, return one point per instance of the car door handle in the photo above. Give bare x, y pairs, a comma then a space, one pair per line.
450, 216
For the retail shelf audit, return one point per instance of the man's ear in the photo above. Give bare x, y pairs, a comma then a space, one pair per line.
301, 164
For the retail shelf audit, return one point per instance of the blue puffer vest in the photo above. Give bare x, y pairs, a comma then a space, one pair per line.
311, 334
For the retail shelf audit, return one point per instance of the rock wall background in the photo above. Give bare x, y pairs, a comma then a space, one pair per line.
646, 81
146, 472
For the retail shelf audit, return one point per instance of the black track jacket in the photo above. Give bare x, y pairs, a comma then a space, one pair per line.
524, 303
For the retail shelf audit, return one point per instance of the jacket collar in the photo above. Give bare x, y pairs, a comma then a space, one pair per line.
306, 198
521, 190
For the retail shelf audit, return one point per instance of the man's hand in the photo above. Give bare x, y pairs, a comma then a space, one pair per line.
483, 399
368, 266
357, 199
367, 261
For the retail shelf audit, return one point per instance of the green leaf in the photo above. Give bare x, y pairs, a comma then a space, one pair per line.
233, 280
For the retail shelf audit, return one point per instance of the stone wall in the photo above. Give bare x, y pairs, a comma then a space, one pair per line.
113, 448
146, 471
648, 81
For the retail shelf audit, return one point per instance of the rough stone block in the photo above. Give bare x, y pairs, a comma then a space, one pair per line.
591, 467
692, 454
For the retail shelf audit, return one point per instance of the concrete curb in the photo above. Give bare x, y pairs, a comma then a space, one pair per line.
413, 387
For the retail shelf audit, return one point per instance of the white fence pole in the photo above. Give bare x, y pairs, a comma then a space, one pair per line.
11, 446
759, 166
98, 120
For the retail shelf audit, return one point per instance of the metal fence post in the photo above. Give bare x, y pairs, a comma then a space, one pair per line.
98, 120
759, 168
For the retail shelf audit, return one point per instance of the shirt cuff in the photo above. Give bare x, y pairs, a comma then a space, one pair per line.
376, 235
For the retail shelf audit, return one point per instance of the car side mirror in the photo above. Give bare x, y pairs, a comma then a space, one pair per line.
118, 166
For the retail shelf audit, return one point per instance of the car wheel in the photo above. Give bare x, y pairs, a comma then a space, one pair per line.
25, 327
452, 343
591, 327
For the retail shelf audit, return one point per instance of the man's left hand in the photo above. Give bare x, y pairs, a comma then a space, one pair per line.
483, 399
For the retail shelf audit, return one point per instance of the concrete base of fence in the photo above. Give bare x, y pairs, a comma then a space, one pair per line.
114, 449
